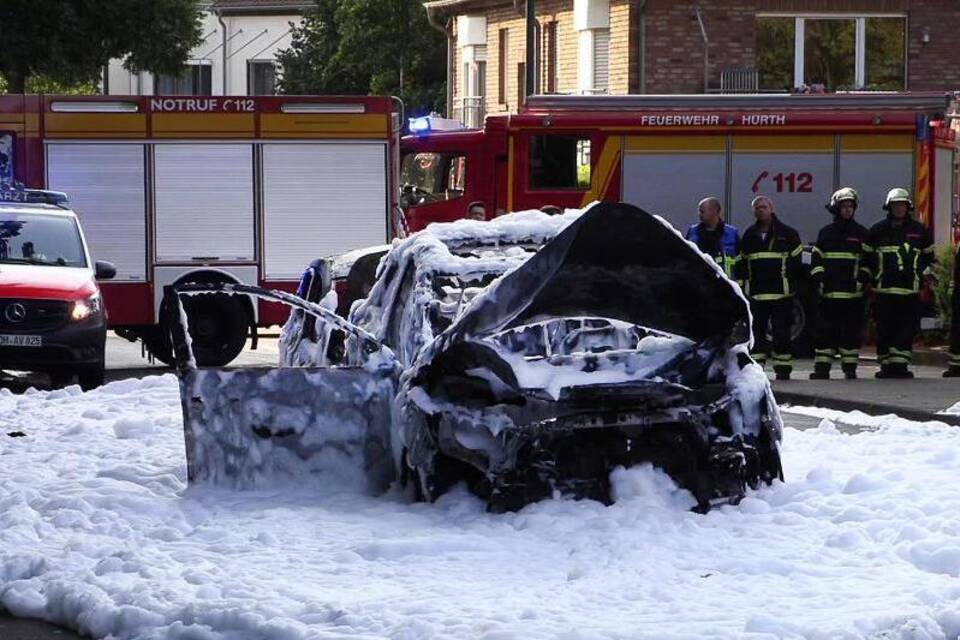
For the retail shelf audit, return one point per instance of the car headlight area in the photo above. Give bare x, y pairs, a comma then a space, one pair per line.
86, 308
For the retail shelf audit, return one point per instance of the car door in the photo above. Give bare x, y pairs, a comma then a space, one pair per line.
323, 419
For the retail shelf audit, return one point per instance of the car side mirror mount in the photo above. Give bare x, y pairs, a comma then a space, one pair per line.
105, 270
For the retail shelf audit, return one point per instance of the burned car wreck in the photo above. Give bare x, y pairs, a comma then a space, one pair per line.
528, 357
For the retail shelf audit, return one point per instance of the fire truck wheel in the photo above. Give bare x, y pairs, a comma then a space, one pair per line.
218, 327
804, 323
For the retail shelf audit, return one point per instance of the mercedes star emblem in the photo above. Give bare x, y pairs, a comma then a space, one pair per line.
15, 312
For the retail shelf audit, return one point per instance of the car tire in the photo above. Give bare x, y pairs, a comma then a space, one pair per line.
61, 379
91, 377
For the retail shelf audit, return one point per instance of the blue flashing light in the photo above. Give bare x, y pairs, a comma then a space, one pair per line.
420, 125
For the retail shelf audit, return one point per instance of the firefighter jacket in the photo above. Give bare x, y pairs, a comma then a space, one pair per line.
902, 254
722, 244
840, 259
770, 265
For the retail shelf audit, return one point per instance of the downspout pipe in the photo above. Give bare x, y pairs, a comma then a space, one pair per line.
643, 46
706, 51
531, 62
223, 53
446, 30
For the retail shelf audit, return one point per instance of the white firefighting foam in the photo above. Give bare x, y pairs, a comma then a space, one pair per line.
99, 532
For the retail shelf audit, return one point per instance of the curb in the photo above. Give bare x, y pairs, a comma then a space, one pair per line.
871, 408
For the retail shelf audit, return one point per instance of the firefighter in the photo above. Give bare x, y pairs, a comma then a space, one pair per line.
840, 271
953, 369
769, 267
714, 237
901, 258
476, 210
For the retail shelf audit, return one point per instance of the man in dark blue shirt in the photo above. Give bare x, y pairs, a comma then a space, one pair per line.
714, 237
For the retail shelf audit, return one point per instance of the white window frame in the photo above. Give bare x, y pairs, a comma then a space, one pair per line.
192, 62
473, 56
860, 47
253, 62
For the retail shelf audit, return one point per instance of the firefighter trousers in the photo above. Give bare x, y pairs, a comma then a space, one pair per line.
898, 320
772, 318
839, 330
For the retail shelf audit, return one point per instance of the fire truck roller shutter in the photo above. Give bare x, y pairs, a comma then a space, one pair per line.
796, 171
873, 164
943, 196
204, 202
321, 199
105, 183
668, 175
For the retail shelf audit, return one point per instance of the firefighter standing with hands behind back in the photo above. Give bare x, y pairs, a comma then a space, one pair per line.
769, 268
902, 258
840, 271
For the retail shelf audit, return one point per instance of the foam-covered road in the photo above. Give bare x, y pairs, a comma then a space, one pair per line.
99, 533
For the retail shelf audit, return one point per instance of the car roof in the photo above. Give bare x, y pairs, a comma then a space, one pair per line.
35, 207
466, 249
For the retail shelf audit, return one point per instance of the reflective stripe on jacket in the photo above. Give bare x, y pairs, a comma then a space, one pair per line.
840, 259
902, 254
770, 267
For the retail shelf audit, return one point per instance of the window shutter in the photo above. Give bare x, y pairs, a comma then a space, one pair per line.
601, 60
502, 68
551, 56
522, 83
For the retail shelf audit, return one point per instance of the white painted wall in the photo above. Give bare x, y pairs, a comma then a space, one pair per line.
249, 37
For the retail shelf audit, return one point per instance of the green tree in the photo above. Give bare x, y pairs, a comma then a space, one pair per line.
42, 84
383, 47
68, 42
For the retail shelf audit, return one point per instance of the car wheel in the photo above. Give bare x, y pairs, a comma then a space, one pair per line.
61, 379
91, 377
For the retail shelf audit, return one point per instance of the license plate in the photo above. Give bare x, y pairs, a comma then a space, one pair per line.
11, 340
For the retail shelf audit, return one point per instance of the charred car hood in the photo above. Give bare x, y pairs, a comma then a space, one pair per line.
615, 261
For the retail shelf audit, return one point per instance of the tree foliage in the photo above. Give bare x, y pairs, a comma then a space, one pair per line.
43, 84
383, 47
68, 42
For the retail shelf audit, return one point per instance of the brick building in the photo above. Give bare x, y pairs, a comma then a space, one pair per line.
661, 46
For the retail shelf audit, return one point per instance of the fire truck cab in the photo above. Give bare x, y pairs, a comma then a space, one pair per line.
175, 189
665, 153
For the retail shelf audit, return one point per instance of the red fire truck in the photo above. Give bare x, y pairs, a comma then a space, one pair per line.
664, 153
238, 189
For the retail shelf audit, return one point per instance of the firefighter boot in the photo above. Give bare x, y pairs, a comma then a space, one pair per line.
895, 370
821, 371
849, 370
